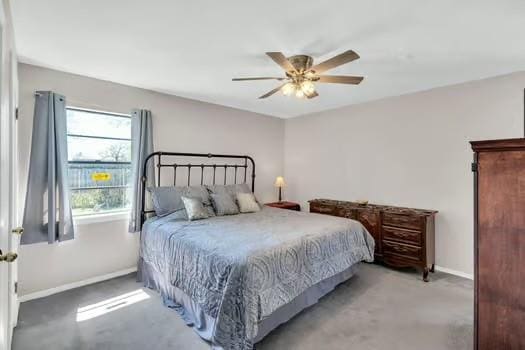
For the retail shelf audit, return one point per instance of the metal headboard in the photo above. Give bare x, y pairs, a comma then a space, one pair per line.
160, 163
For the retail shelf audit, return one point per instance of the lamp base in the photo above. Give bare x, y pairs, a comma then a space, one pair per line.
280, 195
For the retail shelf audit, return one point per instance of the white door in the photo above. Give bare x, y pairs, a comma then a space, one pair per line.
8, 186
16, 229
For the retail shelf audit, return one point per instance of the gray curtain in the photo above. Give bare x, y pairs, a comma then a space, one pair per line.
142, 146
47, 212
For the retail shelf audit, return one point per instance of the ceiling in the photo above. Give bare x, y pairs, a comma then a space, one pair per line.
193, 48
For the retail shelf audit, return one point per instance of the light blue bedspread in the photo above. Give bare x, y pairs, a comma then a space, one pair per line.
241, 268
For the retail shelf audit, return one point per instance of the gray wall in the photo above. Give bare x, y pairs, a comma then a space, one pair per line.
409, 150
179, 125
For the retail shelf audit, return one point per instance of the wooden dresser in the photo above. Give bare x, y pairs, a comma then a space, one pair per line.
404, 237
499, 244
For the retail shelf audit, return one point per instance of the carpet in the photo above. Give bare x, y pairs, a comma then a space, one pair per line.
379, 308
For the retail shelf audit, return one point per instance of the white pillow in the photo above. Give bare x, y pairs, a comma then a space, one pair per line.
247, 203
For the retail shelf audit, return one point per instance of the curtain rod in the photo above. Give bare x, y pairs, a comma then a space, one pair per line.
101, 109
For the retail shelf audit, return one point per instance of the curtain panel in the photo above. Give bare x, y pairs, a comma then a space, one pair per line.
142, 146
47, 212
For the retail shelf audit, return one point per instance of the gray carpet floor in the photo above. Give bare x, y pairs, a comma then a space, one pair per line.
379, 308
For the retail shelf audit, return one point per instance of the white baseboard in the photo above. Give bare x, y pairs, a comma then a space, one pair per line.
51, 291
455, 272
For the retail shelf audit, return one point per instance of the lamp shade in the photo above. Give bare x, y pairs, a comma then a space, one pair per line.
279, 182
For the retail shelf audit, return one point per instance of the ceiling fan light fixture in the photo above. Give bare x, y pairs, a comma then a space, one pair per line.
299, 93
307, 87
309, 75
288, 89
301, 75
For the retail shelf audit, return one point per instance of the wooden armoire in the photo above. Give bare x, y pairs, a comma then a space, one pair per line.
499, 244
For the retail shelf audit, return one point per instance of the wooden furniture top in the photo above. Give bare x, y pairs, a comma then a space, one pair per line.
384, 208
283, 205
498, 145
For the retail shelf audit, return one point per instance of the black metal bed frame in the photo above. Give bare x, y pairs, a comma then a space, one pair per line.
175, 166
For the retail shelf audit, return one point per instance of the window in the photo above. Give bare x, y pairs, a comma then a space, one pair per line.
99, 160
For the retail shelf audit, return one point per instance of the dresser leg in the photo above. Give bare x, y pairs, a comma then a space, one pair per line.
425, 274
432, 269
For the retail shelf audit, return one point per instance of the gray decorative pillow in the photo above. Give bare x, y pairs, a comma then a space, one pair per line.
224, 204
177, 216
247, 203
194, 208
167, 199
202, 193
229, 189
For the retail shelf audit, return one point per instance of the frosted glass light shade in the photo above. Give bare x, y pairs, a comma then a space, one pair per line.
279, 182
308, 87
288, 89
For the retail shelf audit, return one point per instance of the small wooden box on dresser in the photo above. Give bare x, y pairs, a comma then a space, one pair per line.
404, 237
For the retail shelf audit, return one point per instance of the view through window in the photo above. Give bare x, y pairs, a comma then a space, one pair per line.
99, 152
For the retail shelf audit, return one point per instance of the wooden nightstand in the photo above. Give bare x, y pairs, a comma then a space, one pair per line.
285, 205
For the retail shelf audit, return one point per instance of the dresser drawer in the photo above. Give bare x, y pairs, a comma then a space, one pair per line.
323, 209
331, 209
405, 221
404, 250
402, 235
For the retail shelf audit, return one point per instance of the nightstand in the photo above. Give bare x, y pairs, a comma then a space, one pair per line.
285, 205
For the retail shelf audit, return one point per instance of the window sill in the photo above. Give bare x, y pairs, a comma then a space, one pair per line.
97, 218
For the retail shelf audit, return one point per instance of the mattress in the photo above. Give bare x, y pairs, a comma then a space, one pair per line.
235, 278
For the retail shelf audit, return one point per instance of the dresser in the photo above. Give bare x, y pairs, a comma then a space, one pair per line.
499, 244
404, 237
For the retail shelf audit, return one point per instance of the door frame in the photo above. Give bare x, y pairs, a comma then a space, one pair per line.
8, 174
5, 341
14, 239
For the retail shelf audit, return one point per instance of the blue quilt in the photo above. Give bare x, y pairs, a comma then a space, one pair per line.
241, 268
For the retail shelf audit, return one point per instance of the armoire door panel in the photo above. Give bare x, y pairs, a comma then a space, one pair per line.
501, 250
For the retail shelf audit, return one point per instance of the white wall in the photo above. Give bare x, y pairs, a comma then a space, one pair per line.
410, 150
179, 125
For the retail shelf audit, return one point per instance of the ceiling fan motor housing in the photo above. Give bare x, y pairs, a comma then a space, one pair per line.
301, 62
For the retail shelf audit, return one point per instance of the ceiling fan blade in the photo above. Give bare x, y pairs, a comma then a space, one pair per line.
281, 60
258, 78
345, 57
340, 79
270, 93
312, 95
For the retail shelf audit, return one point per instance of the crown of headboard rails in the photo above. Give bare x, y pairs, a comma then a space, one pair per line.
161, 160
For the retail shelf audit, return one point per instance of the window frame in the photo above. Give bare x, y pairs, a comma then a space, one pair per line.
104, 216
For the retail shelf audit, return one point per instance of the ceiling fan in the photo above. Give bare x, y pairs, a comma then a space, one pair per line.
301, 74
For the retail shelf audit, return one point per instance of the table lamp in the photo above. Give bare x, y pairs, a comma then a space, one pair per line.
279, 182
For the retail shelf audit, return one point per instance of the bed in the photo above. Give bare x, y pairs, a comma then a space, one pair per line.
236, 278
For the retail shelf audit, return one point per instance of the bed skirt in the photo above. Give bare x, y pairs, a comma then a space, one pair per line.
203, 324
